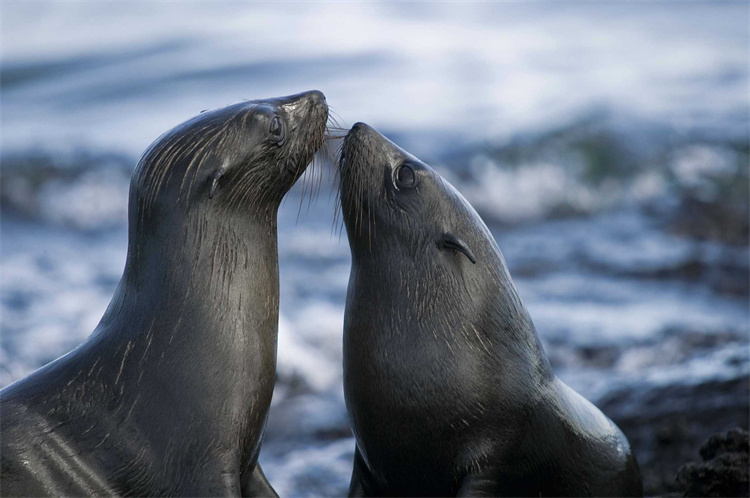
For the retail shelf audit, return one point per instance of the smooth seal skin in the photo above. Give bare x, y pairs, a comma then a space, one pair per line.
447, 386
170, 394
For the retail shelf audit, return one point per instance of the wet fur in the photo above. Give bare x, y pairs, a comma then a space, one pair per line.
447, 386
170, 394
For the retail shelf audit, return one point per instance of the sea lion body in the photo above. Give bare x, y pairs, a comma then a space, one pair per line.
170, 393
447, 386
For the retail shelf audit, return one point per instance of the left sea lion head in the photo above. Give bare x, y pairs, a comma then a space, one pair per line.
246, 155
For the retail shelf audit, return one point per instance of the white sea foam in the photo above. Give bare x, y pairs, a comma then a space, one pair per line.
310, 346
98, 199
322, 469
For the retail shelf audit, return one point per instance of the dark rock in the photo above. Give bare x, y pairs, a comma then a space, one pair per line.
718, 220
725, 470
666, 424
597, 356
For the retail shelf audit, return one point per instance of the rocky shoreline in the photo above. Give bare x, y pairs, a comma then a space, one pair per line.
724, 469
667, 425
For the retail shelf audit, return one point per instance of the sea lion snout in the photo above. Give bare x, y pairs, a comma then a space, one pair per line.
316, 96
361, 178
362, 135
306, 116
359, 128
302, 106
362, 145
311, 97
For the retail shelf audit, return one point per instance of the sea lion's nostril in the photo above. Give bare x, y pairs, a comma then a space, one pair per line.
317, 97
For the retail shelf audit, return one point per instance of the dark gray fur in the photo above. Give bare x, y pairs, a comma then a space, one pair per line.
447, 386
170, 394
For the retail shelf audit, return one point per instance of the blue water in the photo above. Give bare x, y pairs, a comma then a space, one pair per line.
607, 282
117, 75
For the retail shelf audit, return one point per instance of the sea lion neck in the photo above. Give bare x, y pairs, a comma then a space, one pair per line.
191, 299
428, 287
213, 256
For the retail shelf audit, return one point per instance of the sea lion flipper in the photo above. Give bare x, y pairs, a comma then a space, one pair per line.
361, 484
450, 241
256, 484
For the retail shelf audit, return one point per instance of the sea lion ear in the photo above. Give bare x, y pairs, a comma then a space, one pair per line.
450, 241
214, 181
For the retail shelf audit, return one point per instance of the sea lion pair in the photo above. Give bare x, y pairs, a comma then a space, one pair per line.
447, 386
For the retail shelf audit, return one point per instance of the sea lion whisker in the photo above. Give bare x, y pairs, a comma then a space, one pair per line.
302, 196
334, 116
316, 176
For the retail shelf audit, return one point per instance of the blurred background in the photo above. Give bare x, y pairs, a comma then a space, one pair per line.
605, 145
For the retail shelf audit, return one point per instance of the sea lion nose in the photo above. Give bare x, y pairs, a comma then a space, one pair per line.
310, 98
316, 97
303, 100
361, 129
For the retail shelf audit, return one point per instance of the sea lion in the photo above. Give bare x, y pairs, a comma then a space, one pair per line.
447, 386
170, 393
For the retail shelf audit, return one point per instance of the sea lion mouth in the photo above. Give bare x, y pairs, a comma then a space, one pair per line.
357, 179
307, 119
355, 157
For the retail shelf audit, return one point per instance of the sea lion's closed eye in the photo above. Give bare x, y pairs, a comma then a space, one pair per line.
214, 181
277, 130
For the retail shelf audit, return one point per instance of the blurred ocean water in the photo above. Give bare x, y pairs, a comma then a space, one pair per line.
117, 75
605, 144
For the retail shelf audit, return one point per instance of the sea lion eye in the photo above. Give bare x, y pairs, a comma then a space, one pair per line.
277, 129
405, 177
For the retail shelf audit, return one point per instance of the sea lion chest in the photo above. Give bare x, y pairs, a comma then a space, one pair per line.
417, 401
